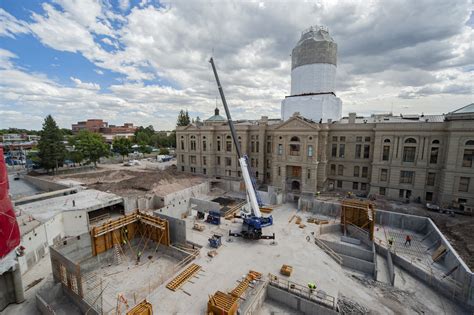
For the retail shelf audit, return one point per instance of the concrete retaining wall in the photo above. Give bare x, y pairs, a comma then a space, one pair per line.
358, 264
349, 250
254, 302
297, 303
177, 228
44, 184
391, 268
329, 228
204, 205
325, 208
402, 221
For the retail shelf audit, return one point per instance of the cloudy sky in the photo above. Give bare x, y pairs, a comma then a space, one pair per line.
142, 61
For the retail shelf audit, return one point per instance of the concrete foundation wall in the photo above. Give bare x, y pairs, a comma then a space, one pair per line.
44, 184
75, 223
204, 205
297, 303
329, 228
358, 264
322, 207
349, 250
402, 221
7, 290
177, 228
391, 268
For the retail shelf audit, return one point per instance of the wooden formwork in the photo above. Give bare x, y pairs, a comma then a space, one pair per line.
122, 230
360, 213
183, 277
142, 308
227, 303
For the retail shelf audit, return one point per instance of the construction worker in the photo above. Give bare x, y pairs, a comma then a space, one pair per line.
139, 254
408, 240
311, 287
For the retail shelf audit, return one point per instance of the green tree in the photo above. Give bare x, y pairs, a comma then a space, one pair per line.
122, 146
164, 151
92, 146
52, 150
172, 139
183, 118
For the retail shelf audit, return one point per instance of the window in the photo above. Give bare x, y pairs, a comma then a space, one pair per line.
256, 145
193, 143
340, 170
280, 149
342, 149
434, 155
464, 184
339, 184
468, 158
204, 160
358, 139
333, 169
279, 171
356, 171
409, 154
193, 170
252, 162
386, 141
342, 139
310, 150
228, 144
401, 193
430, 179
218, 145
252, 146
334, 150
386, 153
429, 196
228, 161
228, 172
363, 186
204, 171
382, 191
435, 142
204, 146
469, 142
295, 139
366, 151
367, 139
182, 168
334, 139
192, 159
358, 151
410, 140
218, 160
294, 149
182, 158
309, 173
269, 147
383, 175
406, 177
355, 185
182, 144
365, 172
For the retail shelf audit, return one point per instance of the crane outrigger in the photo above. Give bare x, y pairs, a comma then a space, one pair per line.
253, 221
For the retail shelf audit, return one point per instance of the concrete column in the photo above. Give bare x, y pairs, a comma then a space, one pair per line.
18, 284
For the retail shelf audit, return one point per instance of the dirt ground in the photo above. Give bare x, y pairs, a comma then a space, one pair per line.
457, 229
137, 182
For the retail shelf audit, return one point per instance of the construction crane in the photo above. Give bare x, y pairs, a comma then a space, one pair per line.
253, 222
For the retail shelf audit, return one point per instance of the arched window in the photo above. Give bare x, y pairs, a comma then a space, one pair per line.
295, 139
410, 140
435, 142
470, 142
310, 150
386, 141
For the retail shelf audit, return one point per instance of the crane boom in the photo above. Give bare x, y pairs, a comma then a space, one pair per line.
249, 186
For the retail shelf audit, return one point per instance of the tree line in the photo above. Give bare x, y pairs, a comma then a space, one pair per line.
88, 147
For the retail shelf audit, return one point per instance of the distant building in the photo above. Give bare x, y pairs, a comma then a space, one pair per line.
108, 131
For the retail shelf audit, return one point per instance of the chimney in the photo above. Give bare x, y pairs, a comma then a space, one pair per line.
352, 118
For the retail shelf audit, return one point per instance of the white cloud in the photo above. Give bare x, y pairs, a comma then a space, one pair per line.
85, 85
10, 26
391, 55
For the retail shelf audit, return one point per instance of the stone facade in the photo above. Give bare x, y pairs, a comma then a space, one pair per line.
427, 158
